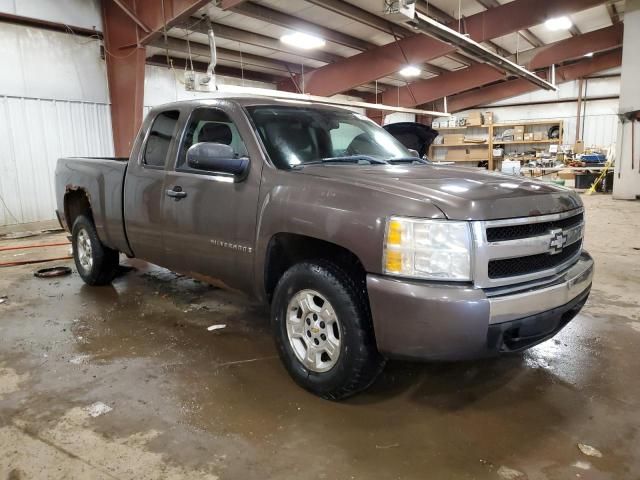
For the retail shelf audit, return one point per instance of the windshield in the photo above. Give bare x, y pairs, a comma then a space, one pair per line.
296, 136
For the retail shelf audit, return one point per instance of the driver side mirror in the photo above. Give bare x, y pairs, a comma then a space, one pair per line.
414, 153
216, 157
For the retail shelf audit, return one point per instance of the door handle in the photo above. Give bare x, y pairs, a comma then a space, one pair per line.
176, 193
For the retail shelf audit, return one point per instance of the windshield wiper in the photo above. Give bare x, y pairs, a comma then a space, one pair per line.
406, 160
348, 159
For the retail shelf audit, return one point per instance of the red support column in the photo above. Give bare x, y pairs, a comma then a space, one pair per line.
125, 75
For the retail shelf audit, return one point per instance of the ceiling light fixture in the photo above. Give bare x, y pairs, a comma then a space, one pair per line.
558, 23
302, 40
590, 54
410, 71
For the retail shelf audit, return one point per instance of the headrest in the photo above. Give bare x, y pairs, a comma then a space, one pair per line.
216, 133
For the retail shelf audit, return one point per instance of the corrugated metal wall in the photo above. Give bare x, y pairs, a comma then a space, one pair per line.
53, 103
599, 121
34, 133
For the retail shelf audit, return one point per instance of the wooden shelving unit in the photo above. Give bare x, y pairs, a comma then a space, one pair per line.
529, 127
469, 144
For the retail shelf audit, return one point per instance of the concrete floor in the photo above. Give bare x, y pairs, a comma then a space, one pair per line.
189, 403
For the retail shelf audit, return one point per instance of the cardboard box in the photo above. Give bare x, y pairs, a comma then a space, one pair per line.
476, 154
498, 152
453, 138
528, 137
452, 122
488, 118
456, 155
518, 129
518, 137
474, 119
537, 136
566, 175
435, 124
578, 147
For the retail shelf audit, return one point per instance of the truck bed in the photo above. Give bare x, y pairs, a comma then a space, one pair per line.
102, 179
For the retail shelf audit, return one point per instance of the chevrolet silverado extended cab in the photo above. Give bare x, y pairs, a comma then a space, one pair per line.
363, 251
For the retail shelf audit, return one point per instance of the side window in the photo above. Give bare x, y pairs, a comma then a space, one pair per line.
162, 131
210, 125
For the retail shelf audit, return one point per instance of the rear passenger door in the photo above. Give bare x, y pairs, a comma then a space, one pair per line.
144, 187
210, 230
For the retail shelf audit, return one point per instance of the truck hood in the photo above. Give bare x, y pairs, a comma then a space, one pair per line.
461, 193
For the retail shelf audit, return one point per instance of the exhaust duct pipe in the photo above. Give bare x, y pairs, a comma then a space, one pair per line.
210, 77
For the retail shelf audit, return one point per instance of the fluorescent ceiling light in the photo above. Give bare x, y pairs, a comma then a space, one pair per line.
590, 54
558, 23
302, 40
410, 71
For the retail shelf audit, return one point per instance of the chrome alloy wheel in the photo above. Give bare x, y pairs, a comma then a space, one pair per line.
313, 330
85, 253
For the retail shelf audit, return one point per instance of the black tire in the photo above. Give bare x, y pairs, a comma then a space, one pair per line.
358, 363
104, 260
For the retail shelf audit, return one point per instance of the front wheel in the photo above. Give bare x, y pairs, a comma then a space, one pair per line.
97, 264
322, 328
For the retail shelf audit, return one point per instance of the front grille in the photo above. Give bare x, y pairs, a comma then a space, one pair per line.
512, 267
514, 232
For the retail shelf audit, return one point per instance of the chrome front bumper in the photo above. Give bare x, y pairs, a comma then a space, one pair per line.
530, 302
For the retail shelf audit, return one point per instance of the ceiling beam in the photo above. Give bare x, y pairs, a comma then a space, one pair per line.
596, 41
441, 16
613, 12
520, 14
371, 20
526, 33
362, 16
424, 91
131, 14
227, 4
285, 20
248, 60
256, 39
512, 88
48, 25
387, 59
161, 16
575, 31
181, 63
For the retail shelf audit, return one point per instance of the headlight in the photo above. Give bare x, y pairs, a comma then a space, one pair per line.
428, 249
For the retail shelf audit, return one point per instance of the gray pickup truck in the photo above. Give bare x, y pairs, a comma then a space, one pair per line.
364, 251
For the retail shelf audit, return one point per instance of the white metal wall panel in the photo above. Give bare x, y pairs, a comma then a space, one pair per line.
600, 119
44, 64
34, 133
595, 87
53, 103
397, 117
162, 85
79, 13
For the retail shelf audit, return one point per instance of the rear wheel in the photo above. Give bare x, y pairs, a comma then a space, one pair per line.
322, 328
97, 264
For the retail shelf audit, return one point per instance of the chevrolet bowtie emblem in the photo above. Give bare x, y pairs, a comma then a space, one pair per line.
557, 242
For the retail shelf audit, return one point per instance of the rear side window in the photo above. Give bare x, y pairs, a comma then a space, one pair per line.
162, 131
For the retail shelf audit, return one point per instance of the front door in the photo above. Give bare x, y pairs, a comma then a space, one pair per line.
210, 218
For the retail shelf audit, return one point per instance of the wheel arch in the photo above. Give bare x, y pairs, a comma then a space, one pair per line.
76, 202
287, 249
